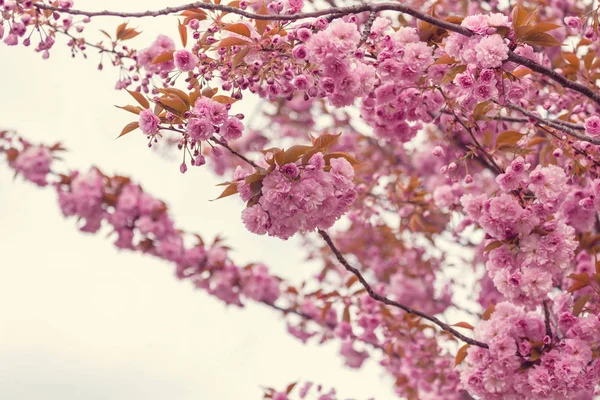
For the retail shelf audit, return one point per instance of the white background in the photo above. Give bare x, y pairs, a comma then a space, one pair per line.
82, 320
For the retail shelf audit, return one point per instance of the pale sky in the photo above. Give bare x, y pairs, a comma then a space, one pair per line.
82, 320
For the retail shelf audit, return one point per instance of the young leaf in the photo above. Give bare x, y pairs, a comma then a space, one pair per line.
488, 313
461, 354
541, 39
183, 34
465, 325
140, 98
239, 28
579, 304
508, 138
164, 57
452, 72
261, 25
128, 128
229, 190
324, 141
132, 109
233, 41
224, 99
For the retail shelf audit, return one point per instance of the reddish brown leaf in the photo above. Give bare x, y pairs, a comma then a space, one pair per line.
224, 99
128, 128
164, 57
182, 34
461, 354
579, 304
229, 190
261, 25
540, 39
233, 41
239, 28
465, 325
132, 109
140, 98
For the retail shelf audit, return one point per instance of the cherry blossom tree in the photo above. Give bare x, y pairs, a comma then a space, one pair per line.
412, 144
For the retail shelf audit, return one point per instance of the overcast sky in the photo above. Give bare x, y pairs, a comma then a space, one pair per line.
81, 320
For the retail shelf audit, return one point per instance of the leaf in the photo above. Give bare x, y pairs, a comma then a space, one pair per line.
541, 39
452, 72
488, 313
461, 354
229, 190
508, 138
572, 59
224, 99
164, 57
351, 281
132, 126
519, 16
174, 105
324, 141
183, 34
454, 19
140, 98
120, 29
444, 59
465, 325
128, 34
579, 304
294, 153
239, 28
588, 59
177, 93
208, 92
106, 34
535, 354
543, 27
233, 41
346, 314
581, 280
290, 387
261, 25
338, 154
521, 72
132, 109
239, 57
482, 109
494, 245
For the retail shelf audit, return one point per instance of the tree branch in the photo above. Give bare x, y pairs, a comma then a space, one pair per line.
337, 12
385, 300
555, 76
563, 127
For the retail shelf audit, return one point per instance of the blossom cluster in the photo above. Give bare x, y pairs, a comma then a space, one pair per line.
529, 359
485, 49
532, 250
296, 197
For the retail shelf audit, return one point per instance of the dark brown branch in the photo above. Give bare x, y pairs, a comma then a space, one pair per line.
385, 300
234, 152
555, 76
547, 320
337, 12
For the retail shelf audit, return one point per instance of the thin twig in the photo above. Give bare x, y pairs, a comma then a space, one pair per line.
563, 128
385, 300
234, 152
